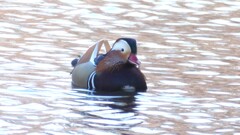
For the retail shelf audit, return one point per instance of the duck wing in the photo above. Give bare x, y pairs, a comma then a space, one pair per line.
93, 52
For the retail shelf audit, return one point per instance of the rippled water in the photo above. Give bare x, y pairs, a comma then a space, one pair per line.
189, 52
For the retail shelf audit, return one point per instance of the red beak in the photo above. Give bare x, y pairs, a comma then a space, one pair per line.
134, 60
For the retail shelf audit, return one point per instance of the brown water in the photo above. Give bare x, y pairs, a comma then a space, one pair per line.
190, 55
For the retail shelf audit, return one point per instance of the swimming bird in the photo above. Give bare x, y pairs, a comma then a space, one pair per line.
116, 70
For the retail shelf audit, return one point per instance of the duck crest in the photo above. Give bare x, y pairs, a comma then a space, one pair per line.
132, 43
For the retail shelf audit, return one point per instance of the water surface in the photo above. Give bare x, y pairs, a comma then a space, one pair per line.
189, 53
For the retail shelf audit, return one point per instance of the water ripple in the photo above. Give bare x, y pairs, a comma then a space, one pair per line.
189, 54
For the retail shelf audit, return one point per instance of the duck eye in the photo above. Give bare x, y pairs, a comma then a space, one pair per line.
122, 50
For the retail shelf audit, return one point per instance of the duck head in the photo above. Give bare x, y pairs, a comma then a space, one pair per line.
124, 51
128, 48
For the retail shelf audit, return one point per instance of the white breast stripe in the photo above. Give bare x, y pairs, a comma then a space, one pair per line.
91, 85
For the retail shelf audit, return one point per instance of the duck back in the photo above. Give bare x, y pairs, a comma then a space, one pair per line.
86, 65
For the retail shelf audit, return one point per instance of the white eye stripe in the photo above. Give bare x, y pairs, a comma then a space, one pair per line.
122, 46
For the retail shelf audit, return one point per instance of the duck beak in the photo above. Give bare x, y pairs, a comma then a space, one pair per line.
134, 60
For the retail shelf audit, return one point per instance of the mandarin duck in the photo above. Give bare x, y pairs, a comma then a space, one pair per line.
115, 70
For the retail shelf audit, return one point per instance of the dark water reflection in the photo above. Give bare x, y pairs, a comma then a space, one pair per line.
189, 52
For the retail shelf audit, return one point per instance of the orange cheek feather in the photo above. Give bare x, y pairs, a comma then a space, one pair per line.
113, 58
